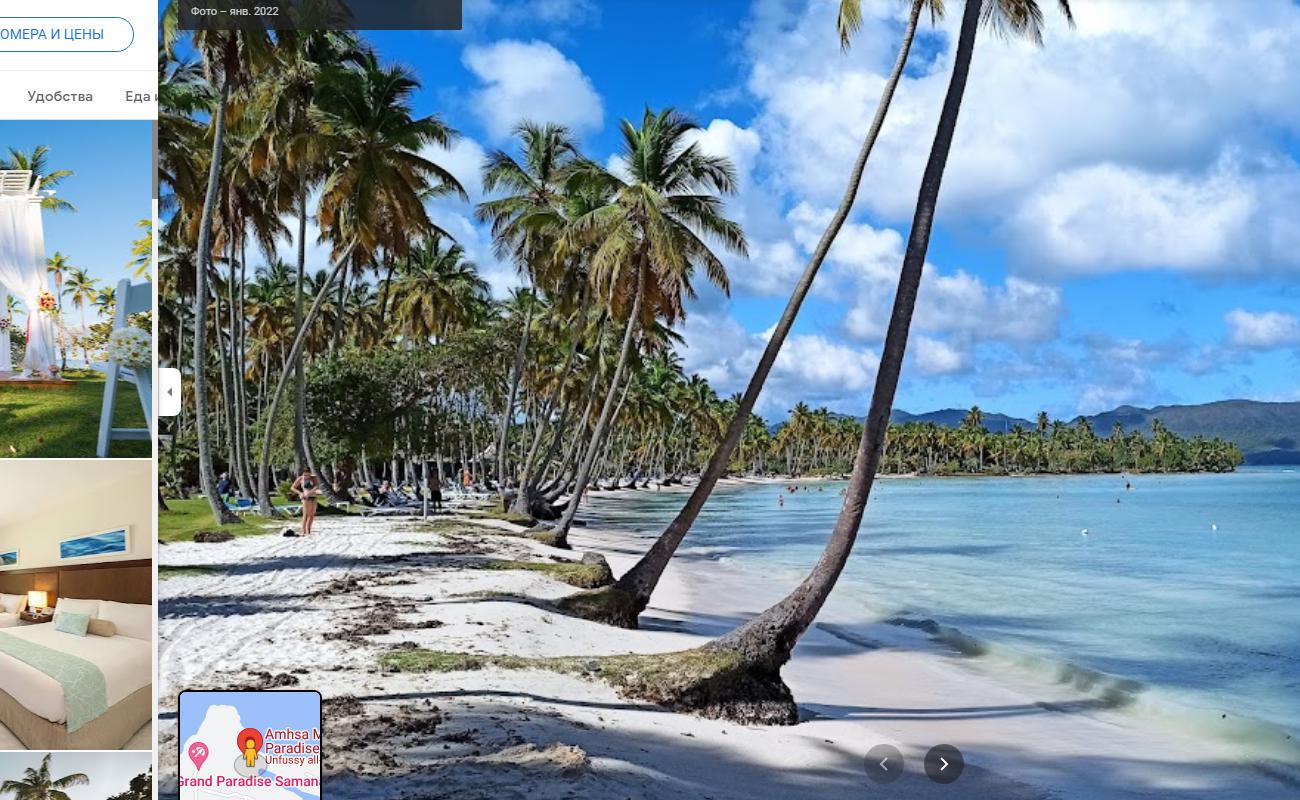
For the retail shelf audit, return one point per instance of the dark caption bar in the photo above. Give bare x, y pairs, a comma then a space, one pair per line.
320, 15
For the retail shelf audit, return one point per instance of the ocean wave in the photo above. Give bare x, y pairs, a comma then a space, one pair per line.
1266, 744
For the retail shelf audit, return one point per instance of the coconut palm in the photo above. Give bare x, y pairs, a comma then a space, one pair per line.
106, 300
230, 59
652, 227
38, 784
374, 190
755, 652
142, 251
36, 162
289, 146
624, 602
525, 223
437, 292
81, 288
58, 265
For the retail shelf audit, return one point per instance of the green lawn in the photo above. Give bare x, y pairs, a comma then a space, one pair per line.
188, 517
44, 422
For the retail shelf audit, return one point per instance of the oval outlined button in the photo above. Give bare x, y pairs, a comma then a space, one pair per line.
884, 763
944, 763
65, 34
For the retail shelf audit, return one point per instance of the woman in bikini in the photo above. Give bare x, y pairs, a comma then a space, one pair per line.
308, 488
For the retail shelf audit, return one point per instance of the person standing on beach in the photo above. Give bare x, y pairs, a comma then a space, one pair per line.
223, 486
435, 492
308, 488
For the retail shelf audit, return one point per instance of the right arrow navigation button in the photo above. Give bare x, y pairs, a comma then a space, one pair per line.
944, 763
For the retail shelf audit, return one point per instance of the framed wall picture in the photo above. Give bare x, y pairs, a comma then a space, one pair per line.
8, 558
115, 542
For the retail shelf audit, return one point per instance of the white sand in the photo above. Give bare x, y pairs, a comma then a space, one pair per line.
503, 734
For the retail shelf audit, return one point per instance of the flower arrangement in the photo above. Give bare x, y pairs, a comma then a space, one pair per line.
5, 324
46, 301
131, 347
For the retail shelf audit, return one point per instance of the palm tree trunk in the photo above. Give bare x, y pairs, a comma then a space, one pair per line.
383, 295
640, 581
227, 407
264, 506
765, 642
299, 380
606, 411
528, 478
207, 479
240, 364
516, 376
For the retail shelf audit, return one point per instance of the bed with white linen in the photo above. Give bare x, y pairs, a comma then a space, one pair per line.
32, 703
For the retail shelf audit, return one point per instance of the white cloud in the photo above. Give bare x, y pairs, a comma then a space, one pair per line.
810, 368
774, 263
464, 159
722, 137
531, 80
1114, 112
962, 306
1107, 217
934, 357
1262, 331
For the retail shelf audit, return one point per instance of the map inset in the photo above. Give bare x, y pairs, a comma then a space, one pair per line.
250, 745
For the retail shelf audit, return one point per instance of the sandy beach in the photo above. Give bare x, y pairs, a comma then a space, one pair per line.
317, 613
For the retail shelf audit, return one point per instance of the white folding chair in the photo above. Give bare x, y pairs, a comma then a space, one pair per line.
131, 299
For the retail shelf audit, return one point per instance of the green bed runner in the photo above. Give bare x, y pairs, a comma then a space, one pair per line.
84, 692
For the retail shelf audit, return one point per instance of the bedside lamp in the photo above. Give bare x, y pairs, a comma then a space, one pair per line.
36, 600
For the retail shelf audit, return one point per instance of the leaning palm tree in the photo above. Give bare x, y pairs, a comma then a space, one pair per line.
738, 675
622, 603
38, 784
230, 58
376, 183
525, 224
36, 162
653, 226
289, 145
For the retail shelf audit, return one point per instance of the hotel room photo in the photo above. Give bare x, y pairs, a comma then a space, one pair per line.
76, 605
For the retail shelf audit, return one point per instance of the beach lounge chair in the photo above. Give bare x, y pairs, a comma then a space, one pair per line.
241, 505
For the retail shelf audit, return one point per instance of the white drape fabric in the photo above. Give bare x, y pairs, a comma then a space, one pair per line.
6, 360
22, 271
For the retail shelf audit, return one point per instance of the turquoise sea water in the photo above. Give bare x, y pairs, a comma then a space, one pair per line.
1186, 584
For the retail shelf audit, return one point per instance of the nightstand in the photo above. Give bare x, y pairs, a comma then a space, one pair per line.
28, 618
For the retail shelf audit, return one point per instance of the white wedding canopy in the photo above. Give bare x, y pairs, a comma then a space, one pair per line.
23, 272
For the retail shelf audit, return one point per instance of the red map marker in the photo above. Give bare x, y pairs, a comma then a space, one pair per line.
241, 742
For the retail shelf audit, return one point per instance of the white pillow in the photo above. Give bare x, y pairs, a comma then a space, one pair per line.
73, 606
132, 619
12, 603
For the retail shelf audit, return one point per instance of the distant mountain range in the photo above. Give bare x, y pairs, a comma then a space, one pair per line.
1268, 433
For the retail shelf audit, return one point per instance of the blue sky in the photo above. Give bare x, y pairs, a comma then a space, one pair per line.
111, 189
1117, 222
